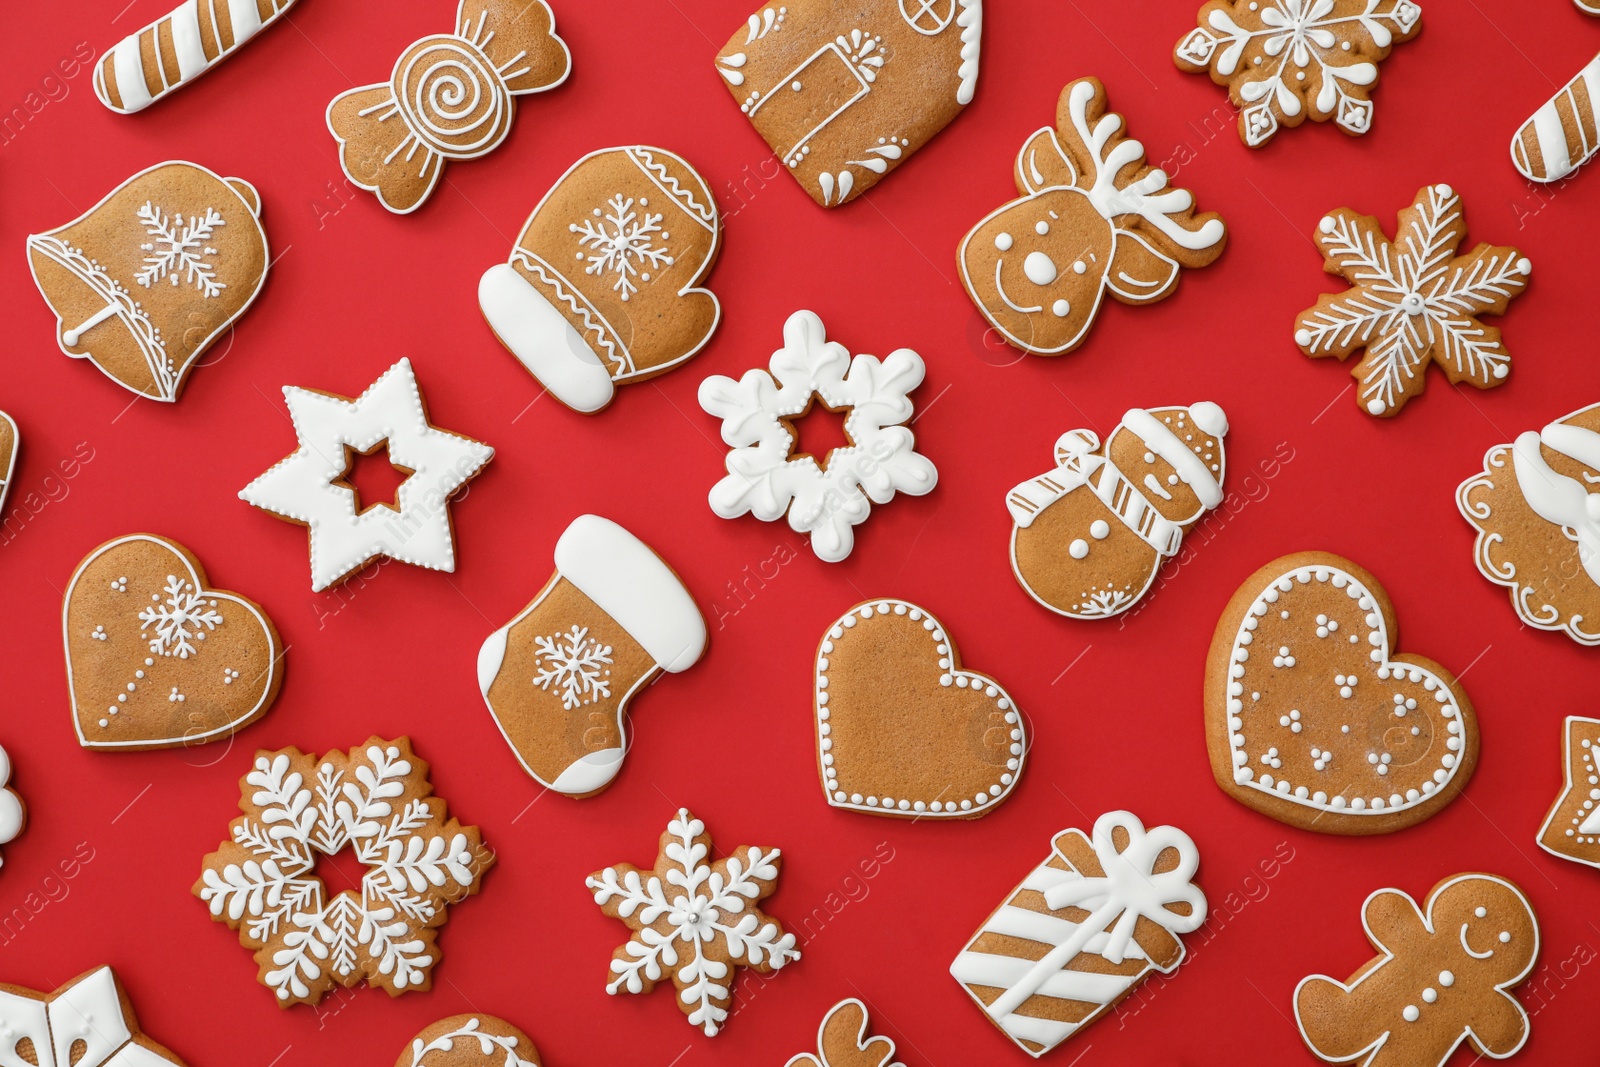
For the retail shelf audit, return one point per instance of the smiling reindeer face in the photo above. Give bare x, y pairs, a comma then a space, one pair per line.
1093, 219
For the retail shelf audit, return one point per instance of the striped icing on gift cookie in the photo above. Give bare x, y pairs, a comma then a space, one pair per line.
1563, 134
177, 48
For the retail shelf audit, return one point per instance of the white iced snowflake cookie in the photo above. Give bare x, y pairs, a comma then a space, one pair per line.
824, 498
13, 811
88, 1022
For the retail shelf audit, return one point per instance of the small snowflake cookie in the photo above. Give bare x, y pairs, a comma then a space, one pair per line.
825, 497
377, 801
146, 280
559, 677
311, 486
470, 1041
177, 48
1285, 61
1313, 719
1443, 977
1412, 300
603, 286
1572, 828
694, 921
13, 810
157, 658
1564, 134
452, 96
10, 445
842, 1041
88, 1022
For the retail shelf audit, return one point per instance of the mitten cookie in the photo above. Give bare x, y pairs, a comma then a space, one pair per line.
1093, 218
1572, 829
1444, 976
559, 677
1412, 300
1310, 716
1537, 515
13, 810
470, 1041
10, 445
1088, 537
452, 96
88, 1022
844, 93
842, 1041
143, 282
155, 657
602, 285
177, 48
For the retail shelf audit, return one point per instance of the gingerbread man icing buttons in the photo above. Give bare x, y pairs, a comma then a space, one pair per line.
1443, 977
1572, 829
10, 445
1313, 719
177, 48
88, 1022
13, 810
470, 1041
1093, 218
1089, 537
842, 1041
603, 286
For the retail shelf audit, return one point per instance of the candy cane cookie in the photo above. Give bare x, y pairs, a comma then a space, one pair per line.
1562, 135
177, 48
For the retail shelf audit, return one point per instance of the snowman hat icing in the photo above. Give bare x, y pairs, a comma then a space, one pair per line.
1209, 419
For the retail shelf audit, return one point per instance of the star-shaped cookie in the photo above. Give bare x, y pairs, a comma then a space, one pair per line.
1572, 829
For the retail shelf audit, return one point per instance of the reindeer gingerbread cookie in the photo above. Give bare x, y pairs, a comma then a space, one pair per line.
1093, 219
1089, 536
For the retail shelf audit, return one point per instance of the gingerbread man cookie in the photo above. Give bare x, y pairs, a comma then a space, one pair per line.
88, 1022
1572, 829
1444, 976
842, 1041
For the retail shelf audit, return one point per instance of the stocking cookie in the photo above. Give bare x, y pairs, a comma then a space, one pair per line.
1089, 537
452, 96
88, 1022
10, 445
603, 285
559, 677
470, 1041
1537, 514
842, 1041
1572, 829
1312, 718
1564, 134
177, 48
13, 810
1444, 976
146, 280
1093, 219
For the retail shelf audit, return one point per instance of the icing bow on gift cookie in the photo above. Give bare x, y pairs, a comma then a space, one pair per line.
451, 96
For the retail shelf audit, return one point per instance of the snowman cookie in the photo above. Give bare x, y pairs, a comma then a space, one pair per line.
1088, 537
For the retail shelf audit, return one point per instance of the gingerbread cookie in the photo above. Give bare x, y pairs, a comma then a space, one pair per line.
845, 94
1564, 134
1083, 930
825, 497
452, 96
470, 1041
1572, 829
1537, 517
1444, 976
1093, 219
1588, 7
559, 677
901, 729
694, 920
1412, 300
10, 445
842, 1041
309, 485
1088, 538
1310, 716
1285, 61
603, 285
88, 1022
146, 280
155, 657
177, 48
13, 809
377, 801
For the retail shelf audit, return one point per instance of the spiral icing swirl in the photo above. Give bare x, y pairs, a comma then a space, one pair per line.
452, 97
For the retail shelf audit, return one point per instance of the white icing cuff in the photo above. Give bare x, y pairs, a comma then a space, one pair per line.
490, 657
590, 774
543, 340
631, 584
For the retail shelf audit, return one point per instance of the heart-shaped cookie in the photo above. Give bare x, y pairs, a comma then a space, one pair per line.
901, 728
154, 657
1310, 716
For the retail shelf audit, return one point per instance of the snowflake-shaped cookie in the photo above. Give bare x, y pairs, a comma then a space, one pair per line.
1284, 61
1412, 299
694, 921
824, 498
375, 800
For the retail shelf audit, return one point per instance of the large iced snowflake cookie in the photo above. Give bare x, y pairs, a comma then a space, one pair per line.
827, 496
146, 280
156, 657
177, 48
1285, 61
1312, 718
602, 288
1093, 218
559, 677
375, 800
902, 729
1412, 300
694, 920
88, 1022
1088, 537
470, 1041
13, 809
1572, 828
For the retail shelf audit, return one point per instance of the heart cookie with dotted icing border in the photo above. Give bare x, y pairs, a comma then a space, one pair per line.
902, 730
156, 658
1310, 716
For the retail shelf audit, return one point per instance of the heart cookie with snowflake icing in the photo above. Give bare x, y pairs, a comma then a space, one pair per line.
1310, 716
901, 728
156, 658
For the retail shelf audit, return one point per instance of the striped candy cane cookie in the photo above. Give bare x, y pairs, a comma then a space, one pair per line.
1561, 136
178, 48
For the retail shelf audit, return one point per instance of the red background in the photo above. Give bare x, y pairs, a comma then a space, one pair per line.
1115, 708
